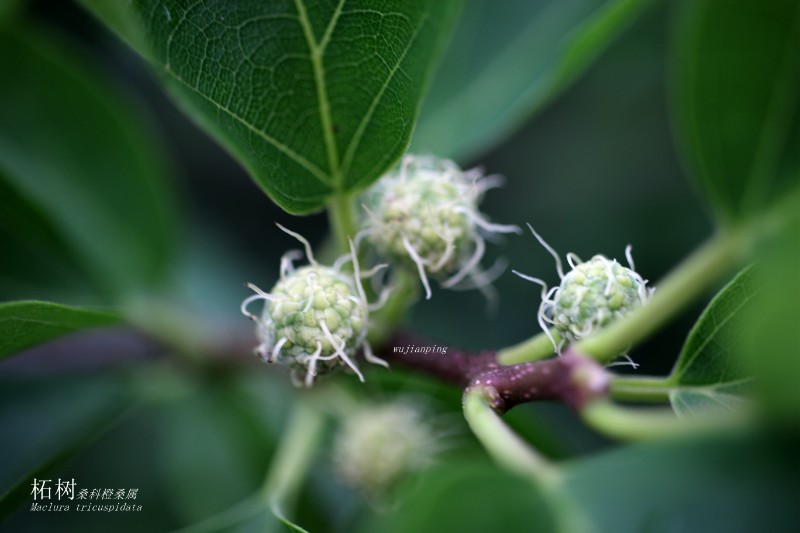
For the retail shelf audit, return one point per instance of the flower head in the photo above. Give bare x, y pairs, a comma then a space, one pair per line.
378, 445
425, 214
590, 296
315, 317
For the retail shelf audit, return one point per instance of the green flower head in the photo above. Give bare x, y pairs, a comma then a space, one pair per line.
594, 294
377, 445
424, 214
590, 296
315, 318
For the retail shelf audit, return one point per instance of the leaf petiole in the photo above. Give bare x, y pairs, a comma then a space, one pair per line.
640, 388
632, 423
342, 220
648, 423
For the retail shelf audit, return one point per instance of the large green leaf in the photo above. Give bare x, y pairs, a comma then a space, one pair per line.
26, 324
713, 484
738, 101
708, 374
9, 9
467, 496
506, 60
314, 98
772, 342
40, 260
237, 421
82, 182
46, 423
199, 428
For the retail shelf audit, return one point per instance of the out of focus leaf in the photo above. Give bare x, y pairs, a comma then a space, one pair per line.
9, 9
467, 496
43, 424
719, 484
738, 101
73, 149
506, 60
771, 345
40, 259
708, 375
214, 422
314, 98
118, 17
27, 323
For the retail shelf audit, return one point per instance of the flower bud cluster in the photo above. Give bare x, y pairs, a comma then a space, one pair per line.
378, 445
589, 297
425, 214
314, 319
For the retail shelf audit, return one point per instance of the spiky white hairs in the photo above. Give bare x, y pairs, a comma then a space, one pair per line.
425, 213
315, 317
590, 296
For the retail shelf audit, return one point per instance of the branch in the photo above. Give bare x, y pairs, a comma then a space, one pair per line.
570, 378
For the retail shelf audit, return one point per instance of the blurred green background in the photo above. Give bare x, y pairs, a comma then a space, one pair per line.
594, 170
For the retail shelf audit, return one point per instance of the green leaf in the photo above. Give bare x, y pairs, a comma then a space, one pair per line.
41, 259
708, 375
725, 484
75, 151
26, 324
45, 423
314, 98
196, 429
238, 421
9, 10
119, 19
772, 342
738, 101
506, 61
467, 496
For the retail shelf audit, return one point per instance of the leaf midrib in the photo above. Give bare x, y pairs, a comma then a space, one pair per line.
281, 147
317, 51
337, 168
706, 389
711, 394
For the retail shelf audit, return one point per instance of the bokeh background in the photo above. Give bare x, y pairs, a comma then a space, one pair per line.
593, 170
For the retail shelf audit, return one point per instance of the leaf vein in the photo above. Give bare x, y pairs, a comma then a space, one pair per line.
283, 148
322, 91
362, 126
714, 331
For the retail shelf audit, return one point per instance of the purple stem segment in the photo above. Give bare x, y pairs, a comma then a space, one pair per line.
571, 378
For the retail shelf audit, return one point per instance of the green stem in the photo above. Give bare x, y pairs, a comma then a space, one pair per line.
640, 389
645, 423
628, 423
292, 460
505, 446
342, 218
533, 349
689, 280
512, 453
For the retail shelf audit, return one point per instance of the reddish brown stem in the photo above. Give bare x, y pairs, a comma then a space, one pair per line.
570, 378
